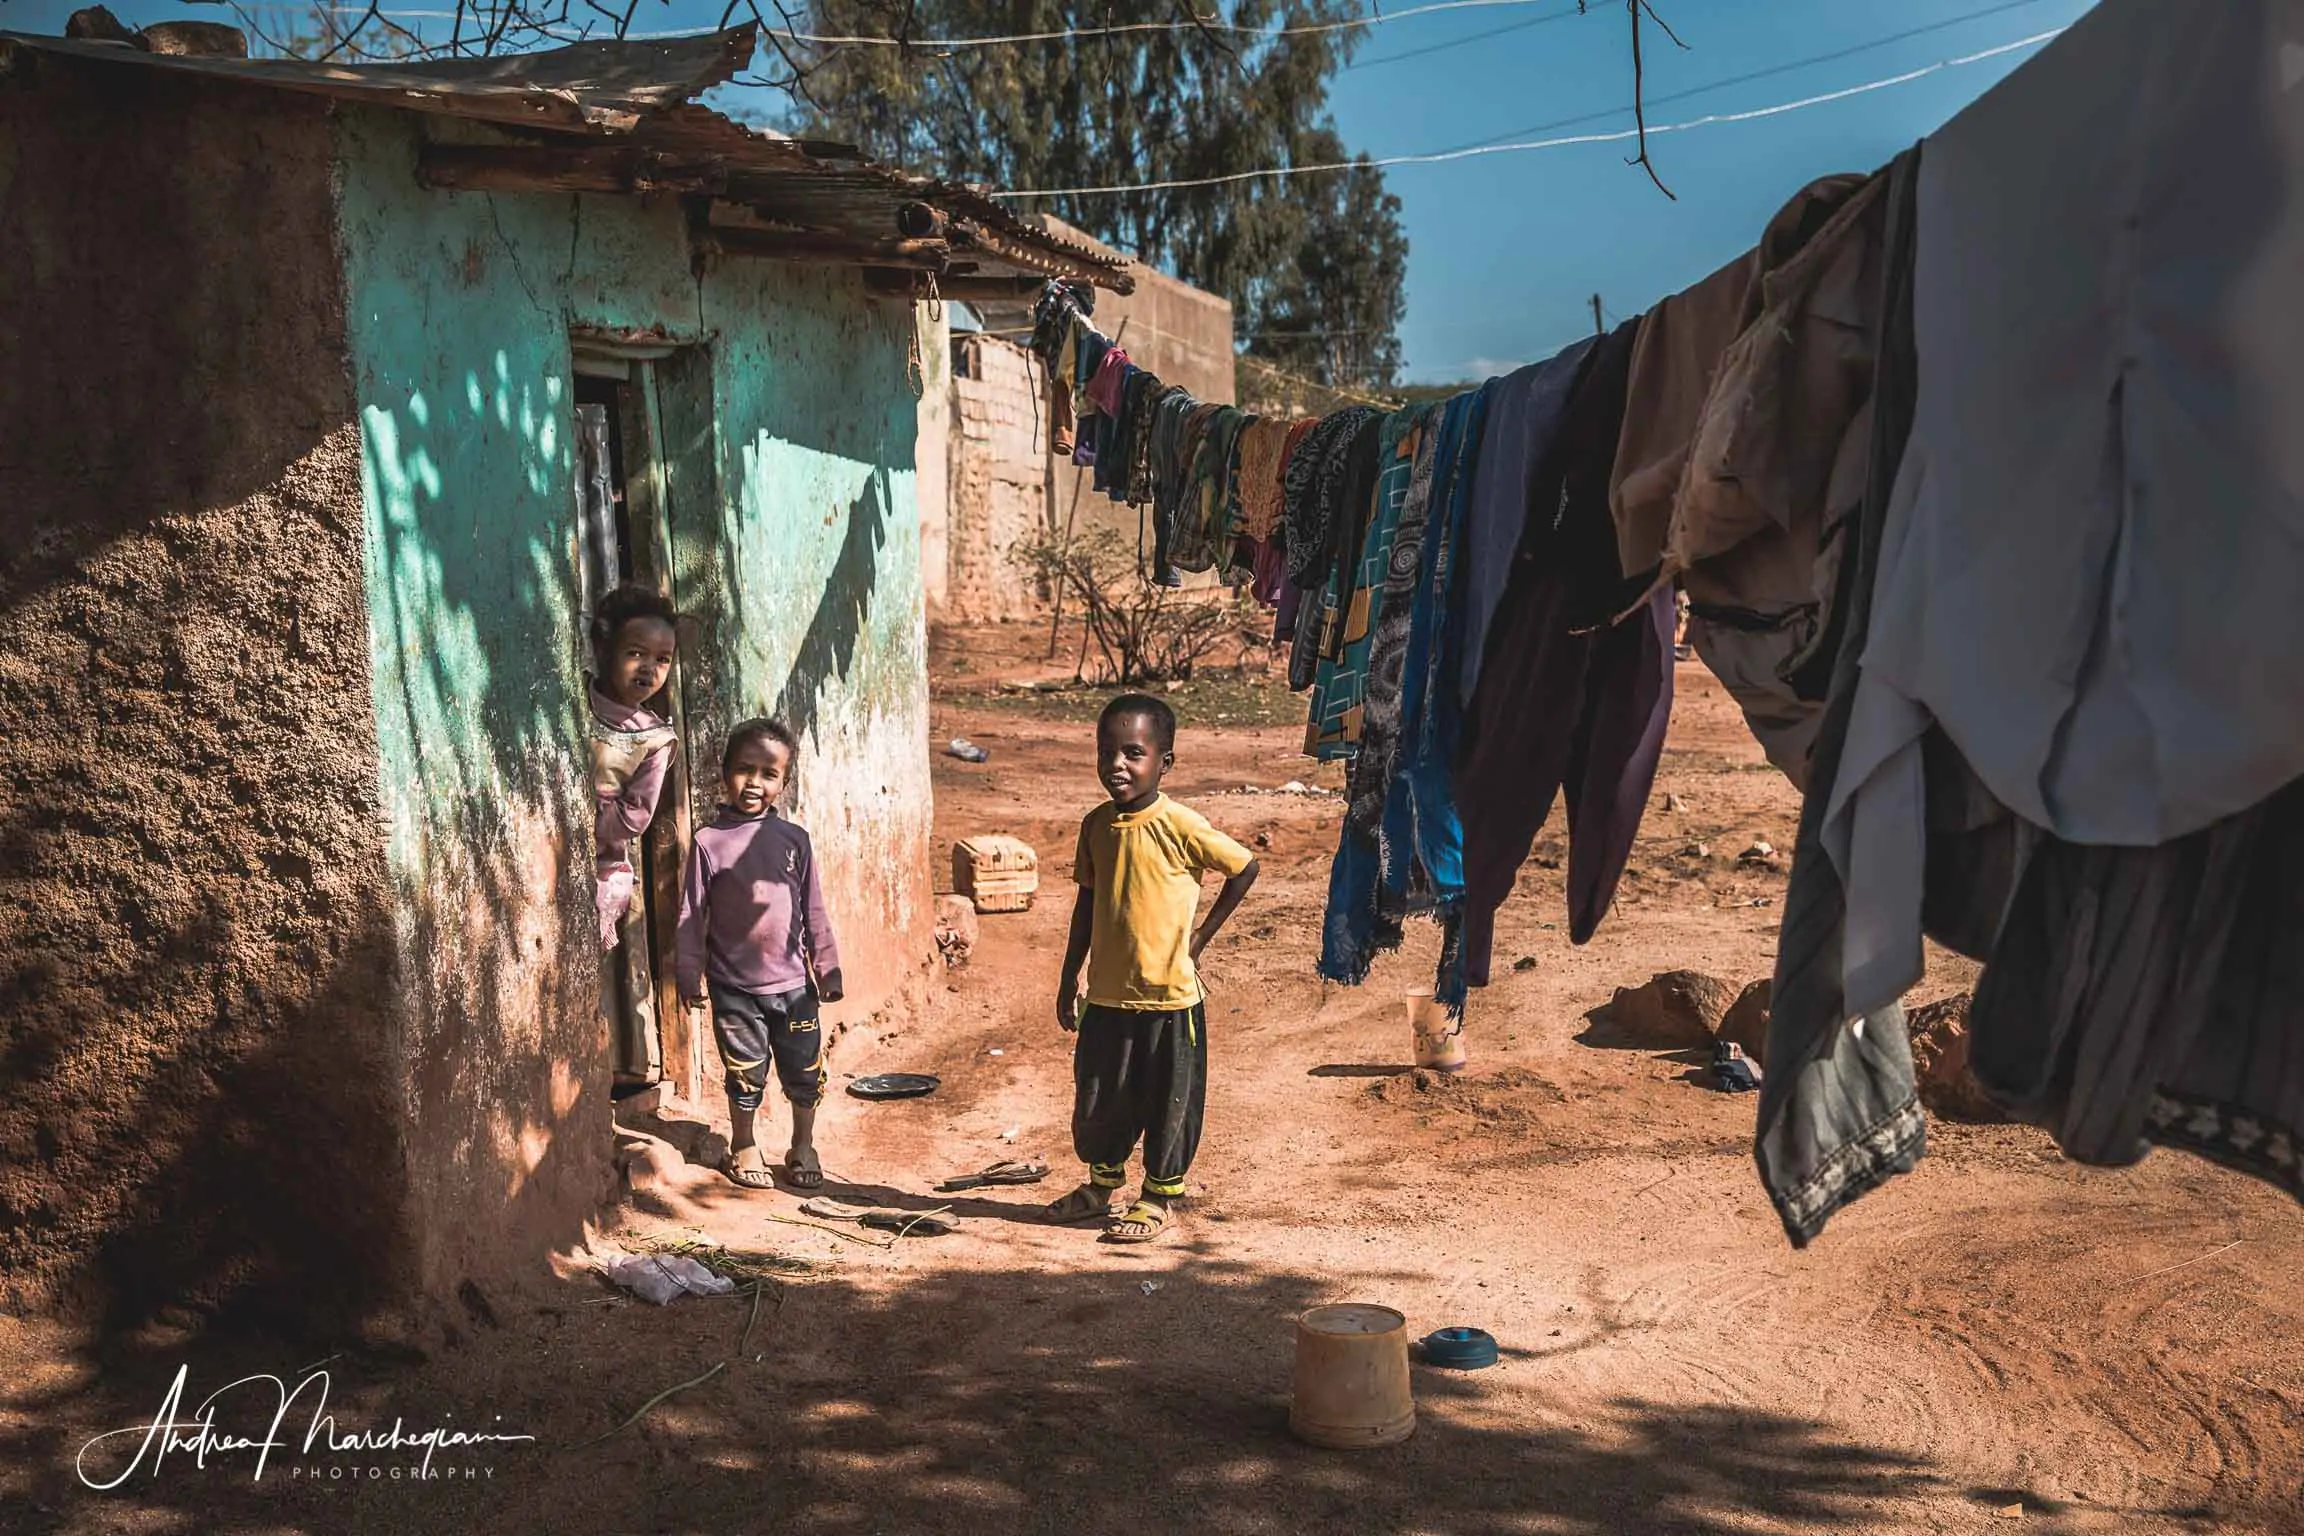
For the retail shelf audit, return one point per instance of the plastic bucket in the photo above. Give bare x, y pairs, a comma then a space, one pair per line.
1352, 1378
1439, 1038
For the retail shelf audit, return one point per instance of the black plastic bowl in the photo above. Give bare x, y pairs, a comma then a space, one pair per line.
895, 1085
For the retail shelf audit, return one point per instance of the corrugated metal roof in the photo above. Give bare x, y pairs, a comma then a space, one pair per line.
643, 94
603, 86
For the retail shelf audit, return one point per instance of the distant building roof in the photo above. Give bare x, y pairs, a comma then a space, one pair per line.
621, 117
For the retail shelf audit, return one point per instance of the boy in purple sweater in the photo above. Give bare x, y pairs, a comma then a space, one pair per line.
756, 948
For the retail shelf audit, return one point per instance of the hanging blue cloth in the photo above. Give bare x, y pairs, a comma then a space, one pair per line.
1414, 860
1423, 840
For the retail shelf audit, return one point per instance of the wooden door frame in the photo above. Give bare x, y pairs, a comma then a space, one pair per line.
647, 507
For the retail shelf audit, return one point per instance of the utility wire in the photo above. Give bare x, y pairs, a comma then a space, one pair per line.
1770, 72
1475, 151
1461, 42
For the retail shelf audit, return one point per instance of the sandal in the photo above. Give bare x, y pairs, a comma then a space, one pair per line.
753, 1175
998, 1173
1085, 1204
911, 1223
807, 1175
1145, 1221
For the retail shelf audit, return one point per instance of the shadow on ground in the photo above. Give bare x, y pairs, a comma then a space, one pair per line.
1006, 1400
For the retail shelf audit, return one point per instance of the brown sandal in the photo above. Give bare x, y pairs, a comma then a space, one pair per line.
804, 1175
752, 1176
1146, 1220
1085, 1204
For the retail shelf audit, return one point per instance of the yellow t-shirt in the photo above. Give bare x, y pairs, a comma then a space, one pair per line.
1144, 871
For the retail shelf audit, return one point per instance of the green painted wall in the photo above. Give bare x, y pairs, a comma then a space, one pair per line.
795, 548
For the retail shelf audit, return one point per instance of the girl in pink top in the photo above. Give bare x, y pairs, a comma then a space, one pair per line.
633, 640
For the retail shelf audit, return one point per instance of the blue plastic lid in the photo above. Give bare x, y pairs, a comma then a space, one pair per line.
1459, 1349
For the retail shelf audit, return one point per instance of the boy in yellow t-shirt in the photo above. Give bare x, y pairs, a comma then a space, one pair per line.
1140, 1070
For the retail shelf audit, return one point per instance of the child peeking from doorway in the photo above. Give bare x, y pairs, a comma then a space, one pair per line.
756, 947
1140, 1067
633, 639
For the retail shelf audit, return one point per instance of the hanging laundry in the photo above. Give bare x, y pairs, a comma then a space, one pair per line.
1567, 700
1839, 1107
1330, 489
1103, 389
1744, 453
1418, 843
1673, 366
1776, 469
2094, 573
1349, 607
1172, 417
1197, 538
1262, 443
1350, 936
1319, 491
2141, 995
1522, 414
2059, 750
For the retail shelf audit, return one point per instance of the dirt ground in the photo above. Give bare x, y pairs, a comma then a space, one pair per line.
2002, 1337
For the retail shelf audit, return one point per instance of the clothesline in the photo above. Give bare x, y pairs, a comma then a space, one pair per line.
1477, 151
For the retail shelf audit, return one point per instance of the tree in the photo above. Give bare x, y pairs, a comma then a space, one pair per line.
1314, 265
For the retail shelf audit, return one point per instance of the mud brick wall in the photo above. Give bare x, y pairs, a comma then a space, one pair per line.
197, 1113
999, 485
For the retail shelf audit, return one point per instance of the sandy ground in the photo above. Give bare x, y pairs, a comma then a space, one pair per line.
2112, 1351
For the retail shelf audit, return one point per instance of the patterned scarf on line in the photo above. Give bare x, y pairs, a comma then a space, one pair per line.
1319, 626
1355, 595
1312, 494
1348, 936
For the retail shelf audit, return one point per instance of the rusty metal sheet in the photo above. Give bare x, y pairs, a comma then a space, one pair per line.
643, 93
603, 86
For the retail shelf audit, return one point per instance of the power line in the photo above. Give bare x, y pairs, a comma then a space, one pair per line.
1460, 42
1478, 150
1758, 74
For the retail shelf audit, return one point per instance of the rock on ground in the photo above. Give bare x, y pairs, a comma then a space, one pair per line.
1672, 1010
1940, 1041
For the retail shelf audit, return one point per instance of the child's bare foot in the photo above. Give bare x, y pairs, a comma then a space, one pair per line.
1087, 1203
1146, 1220
803, 1169
749, 1168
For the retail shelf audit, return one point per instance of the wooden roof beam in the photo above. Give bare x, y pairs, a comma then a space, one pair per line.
826, 249
589, 167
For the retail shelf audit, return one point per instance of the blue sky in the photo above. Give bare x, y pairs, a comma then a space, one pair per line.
1507, 249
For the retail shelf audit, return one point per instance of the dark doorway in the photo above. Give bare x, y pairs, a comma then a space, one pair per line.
624, 536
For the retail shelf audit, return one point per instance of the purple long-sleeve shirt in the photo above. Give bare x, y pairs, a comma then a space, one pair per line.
620, 818
751, 909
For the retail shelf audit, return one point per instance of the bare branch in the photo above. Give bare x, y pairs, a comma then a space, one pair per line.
1637, 8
